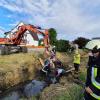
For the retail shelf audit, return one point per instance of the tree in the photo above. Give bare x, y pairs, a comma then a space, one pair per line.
81, 42
62, 45
52, 36
40, 43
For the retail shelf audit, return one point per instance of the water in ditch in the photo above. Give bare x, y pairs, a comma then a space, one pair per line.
31, 89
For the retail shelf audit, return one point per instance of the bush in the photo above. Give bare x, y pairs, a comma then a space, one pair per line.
81, 42
62, 45
52, 36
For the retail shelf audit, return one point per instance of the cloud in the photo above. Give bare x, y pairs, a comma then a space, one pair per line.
13, 24
10, 5
1, 31
71, 18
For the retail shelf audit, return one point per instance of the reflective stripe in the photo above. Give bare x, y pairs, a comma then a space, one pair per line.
44, 71
95, 72
93, 76
95, 96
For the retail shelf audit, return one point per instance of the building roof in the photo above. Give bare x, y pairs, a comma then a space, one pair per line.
34, 35
6, 33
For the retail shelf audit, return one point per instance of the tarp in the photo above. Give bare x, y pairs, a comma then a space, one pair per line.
91, 44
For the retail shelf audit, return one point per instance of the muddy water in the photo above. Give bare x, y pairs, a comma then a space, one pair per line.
29, 90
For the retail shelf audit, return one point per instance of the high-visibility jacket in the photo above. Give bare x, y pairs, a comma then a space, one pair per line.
93, 79
95, 82
76, 58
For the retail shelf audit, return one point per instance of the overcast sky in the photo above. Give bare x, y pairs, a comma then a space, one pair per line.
71, 18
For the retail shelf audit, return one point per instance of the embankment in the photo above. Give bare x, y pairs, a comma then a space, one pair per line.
17, 68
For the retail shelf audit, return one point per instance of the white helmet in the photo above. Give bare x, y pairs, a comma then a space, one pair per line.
54, 46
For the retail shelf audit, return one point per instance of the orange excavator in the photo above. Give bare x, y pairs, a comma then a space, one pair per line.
9, 45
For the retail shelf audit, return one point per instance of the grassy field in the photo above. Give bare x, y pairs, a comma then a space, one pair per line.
67, 89
18, 68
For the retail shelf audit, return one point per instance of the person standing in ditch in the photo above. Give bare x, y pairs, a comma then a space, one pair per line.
53, 52
76, 63
92, 88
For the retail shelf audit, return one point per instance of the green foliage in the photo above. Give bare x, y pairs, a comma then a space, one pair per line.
82, 76
52, 36
81, 42
40, 43
62, 45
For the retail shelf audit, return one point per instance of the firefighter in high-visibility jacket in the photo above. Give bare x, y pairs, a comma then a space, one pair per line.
92, 89
76, 63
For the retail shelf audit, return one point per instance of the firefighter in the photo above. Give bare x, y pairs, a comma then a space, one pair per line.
46, 68
54, 49
76, 63
58, 73
53, 52
92, 89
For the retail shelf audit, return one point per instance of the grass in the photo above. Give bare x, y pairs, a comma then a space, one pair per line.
72, 93
82, 76
17, 61
14, 61
69, 91
16, 68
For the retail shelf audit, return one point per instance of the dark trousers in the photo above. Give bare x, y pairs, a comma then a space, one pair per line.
87, 96
76, 66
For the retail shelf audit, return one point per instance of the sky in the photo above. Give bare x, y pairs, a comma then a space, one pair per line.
70, 18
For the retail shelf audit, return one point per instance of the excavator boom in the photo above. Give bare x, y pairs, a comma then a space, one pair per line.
22, 29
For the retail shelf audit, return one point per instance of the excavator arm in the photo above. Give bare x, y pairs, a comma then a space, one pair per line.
16, 40
13, 43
